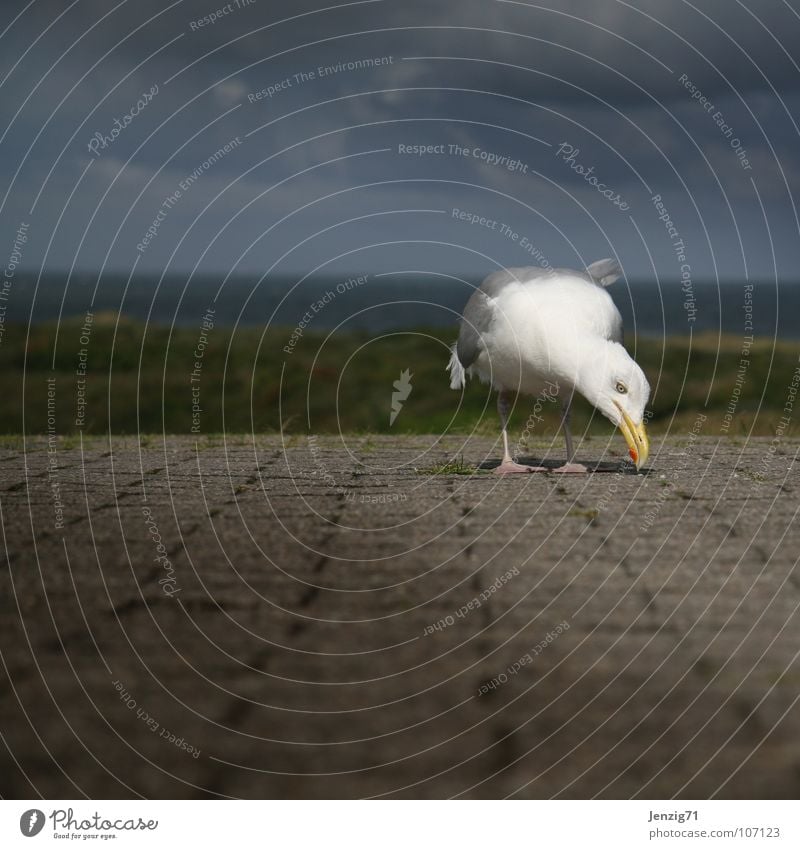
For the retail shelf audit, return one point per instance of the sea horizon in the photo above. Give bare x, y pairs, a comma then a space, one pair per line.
378, 302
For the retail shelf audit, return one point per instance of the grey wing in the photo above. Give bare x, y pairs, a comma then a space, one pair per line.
479, 314
500, 279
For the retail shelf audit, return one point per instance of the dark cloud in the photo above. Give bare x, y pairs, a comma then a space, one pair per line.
603, 49
652, 94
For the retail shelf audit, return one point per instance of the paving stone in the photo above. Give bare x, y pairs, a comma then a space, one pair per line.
329, 618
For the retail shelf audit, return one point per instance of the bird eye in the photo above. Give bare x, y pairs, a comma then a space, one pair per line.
621, 387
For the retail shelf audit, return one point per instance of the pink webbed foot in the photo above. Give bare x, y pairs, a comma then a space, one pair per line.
509, 467
571, 469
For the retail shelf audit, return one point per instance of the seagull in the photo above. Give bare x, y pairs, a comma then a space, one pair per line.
527, 330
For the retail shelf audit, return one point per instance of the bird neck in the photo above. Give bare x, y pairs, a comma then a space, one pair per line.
589, 373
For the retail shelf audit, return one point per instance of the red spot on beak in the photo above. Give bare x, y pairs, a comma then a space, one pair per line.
634, 457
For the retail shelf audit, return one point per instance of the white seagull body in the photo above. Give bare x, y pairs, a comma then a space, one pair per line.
527, 329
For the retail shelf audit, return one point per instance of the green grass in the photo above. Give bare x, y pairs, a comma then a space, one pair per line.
456, 466
139, 381
589, 514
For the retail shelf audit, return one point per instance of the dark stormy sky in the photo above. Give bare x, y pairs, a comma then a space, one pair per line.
318, 180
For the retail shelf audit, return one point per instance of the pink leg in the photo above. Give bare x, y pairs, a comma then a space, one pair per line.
570, 467
508, 466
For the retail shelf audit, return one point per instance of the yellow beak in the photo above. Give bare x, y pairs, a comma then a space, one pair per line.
636, 437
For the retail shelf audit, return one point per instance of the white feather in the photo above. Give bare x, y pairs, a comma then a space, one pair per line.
457, 373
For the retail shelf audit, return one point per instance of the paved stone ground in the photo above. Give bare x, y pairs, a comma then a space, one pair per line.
302, 628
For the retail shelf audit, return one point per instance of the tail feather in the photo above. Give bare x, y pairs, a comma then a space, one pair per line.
457, 373
605, 271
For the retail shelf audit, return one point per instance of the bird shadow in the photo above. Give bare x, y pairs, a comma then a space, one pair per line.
616, 467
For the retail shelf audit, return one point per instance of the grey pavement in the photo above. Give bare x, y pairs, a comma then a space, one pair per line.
295, 618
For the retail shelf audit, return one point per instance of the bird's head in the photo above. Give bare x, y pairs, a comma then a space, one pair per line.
615, 384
